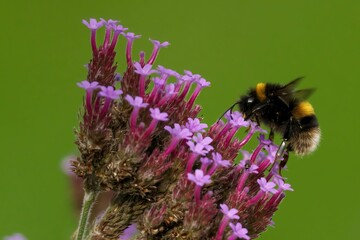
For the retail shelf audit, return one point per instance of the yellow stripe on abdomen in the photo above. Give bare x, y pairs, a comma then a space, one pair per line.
303, 109
260, 91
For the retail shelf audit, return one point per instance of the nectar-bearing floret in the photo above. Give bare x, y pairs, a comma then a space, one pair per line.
171, 176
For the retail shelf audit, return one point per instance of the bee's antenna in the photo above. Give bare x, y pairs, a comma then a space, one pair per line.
230, 108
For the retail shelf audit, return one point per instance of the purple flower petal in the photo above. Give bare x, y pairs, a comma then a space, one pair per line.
266, 186
199, 148
170, 89
178, 131
203, 83
206, 161
159, 44
110, 92
16, 236
237, 120
156, 114
146, 70
168, 72
239, 231
131, 36
159, 81
194, 125
88, 86
136, 102
217, 158
109, 23
93, 24
199, 178
282, 185
230, 213
263, 140
198, 138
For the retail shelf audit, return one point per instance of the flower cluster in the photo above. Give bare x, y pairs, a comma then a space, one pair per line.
16, 236
171, 176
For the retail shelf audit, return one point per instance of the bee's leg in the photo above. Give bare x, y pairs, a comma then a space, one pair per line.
281, 153
271, 134
281, 150
257, 120
284, 146
288, 130
283, 162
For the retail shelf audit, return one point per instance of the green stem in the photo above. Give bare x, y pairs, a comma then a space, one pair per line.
89, 199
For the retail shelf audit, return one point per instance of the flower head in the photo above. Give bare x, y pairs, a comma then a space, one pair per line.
194, 125
194, 77
159, 81
203, 83
263, 140
167, 72
109, 23
217, 158
206, 161
199, 178
237, 120
198, 138
156, 114
266, 186
199, 148
179, 132
282, 185
146, 70
88, 86
151, 168
110, 92
130, 36
159, 44
93, 24
136, 102
16, 236
239, 231
230, 213
170, 89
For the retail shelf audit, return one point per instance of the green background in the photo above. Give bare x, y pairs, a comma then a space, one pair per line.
234, 44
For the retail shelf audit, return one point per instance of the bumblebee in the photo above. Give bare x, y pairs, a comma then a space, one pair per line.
286, 111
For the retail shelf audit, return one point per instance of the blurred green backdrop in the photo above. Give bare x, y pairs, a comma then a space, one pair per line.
234, 44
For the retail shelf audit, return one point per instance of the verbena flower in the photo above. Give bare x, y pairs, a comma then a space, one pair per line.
16, 236
170, 175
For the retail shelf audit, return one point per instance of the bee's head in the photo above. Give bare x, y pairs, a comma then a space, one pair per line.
247, 103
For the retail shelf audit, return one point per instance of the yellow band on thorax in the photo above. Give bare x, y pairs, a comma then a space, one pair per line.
260, 91
303, 109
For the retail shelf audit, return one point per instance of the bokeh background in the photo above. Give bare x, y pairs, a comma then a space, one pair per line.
233, 43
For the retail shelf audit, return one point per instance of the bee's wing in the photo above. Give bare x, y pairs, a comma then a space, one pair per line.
303, 94
287, 93
288, 88
299, 95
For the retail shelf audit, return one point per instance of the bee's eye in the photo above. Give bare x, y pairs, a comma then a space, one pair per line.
250, 100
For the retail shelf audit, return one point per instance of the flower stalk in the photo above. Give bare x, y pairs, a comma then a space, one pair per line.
83, 227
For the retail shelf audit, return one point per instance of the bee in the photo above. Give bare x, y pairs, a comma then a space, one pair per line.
285, 111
